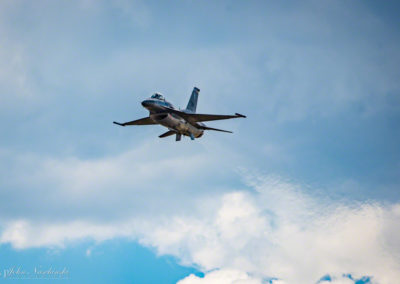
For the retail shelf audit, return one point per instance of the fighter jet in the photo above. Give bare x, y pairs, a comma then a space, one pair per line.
179, 122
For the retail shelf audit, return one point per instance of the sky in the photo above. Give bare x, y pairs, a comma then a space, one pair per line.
306, 189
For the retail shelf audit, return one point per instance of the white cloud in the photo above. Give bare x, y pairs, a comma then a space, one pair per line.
281, 232
338, 281
225, 276
145, 180
24, 234
276, 231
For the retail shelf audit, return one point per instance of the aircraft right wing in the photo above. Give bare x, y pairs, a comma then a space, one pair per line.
215, 129
142, 121
197, 117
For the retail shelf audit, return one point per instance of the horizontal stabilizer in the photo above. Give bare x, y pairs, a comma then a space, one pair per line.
142, 121
215, 129
166, 134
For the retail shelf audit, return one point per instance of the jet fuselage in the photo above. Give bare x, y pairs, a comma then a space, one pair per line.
160, 114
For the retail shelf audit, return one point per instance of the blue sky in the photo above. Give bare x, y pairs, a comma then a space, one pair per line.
309, 179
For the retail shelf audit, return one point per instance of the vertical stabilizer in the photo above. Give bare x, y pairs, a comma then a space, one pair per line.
192, 104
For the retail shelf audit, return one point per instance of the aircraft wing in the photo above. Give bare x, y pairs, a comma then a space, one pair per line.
142, 121
198, 117
215, 129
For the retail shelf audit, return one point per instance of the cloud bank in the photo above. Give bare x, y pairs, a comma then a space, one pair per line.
278, 231
270, 229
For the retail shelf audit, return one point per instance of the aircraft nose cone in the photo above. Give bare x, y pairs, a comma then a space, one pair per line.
145, 103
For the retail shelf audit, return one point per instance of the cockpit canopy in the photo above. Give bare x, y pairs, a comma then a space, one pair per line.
158, 96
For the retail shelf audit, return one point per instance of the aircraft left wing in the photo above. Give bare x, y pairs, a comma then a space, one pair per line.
142, 121
197, 117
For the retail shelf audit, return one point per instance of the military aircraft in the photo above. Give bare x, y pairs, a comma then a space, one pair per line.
179, 122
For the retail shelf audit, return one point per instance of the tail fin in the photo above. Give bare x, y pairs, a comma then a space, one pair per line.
192, 104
